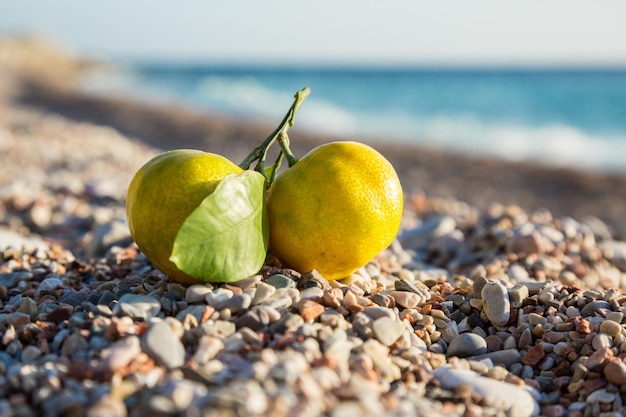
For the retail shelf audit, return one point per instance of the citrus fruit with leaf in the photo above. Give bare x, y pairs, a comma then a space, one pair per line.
198, 217
335, 209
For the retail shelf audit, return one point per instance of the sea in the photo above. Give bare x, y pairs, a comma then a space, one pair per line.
562, 117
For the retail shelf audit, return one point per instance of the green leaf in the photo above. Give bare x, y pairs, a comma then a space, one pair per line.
225, 238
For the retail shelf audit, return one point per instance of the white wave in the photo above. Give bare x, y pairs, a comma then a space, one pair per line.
552, 144
248, 96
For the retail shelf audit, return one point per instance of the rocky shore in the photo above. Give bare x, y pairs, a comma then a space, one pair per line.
504, 294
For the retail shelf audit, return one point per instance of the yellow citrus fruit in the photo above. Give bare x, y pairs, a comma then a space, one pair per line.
335, 209
163, 193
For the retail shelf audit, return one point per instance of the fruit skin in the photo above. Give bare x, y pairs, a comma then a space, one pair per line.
163, 193
335, 209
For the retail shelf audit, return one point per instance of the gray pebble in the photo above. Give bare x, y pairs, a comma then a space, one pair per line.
217, 296
517, 295
517, 273
466, 345
30, 354
421, 236
196, 310
49, 284
404, 285
281, 281
236, 304
477, 287
525, 339
505, 358
515, 401
312, 293
137, 306
287, 322
197, 293
376, 312
387, 330
592, 307
10, 279
161, 343
120, 354
29, 307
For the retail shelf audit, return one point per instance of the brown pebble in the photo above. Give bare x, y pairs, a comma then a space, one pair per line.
310, 310
494, 343
333, 297
562, 369
615, 372
207, 313
593, 385
599, 357
583, 326
534, 355
513, 379
525, 244
80, 370
553, 410
350, 302
58, 315
532, 383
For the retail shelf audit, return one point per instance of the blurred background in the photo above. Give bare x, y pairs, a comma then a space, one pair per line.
533, 81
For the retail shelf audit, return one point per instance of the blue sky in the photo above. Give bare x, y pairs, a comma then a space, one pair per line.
479, 32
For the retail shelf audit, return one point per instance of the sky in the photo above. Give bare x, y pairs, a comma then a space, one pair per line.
478, 32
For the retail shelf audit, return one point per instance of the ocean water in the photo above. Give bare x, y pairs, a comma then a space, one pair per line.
558, 117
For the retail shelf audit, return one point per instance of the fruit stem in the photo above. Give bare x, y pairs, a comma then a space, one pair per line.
283, 142
260, 152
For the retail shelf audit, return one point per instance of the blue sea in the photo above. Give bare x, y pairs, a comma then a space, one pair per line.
559, 117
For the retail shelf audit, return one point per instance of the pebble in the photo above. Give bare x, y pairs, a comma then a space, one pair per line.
120, 354
405, 299
611, 328
525, 244
161, 343
506, 358
263, 292
496, 303
281, 281
517, 295
49, 284
107, 406
11, 279
516, 401
376, 312
197, 293
29, 307
137, 306
615, 372
466, 345
236, 303
421, 236
387, 330
310, 310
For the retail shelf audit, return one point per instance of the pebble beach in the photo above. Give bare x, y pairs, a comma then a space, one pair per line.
503, 295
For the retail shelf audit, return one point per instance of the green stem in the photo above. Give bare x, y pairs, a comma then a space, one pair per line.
260, 152
283, 142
